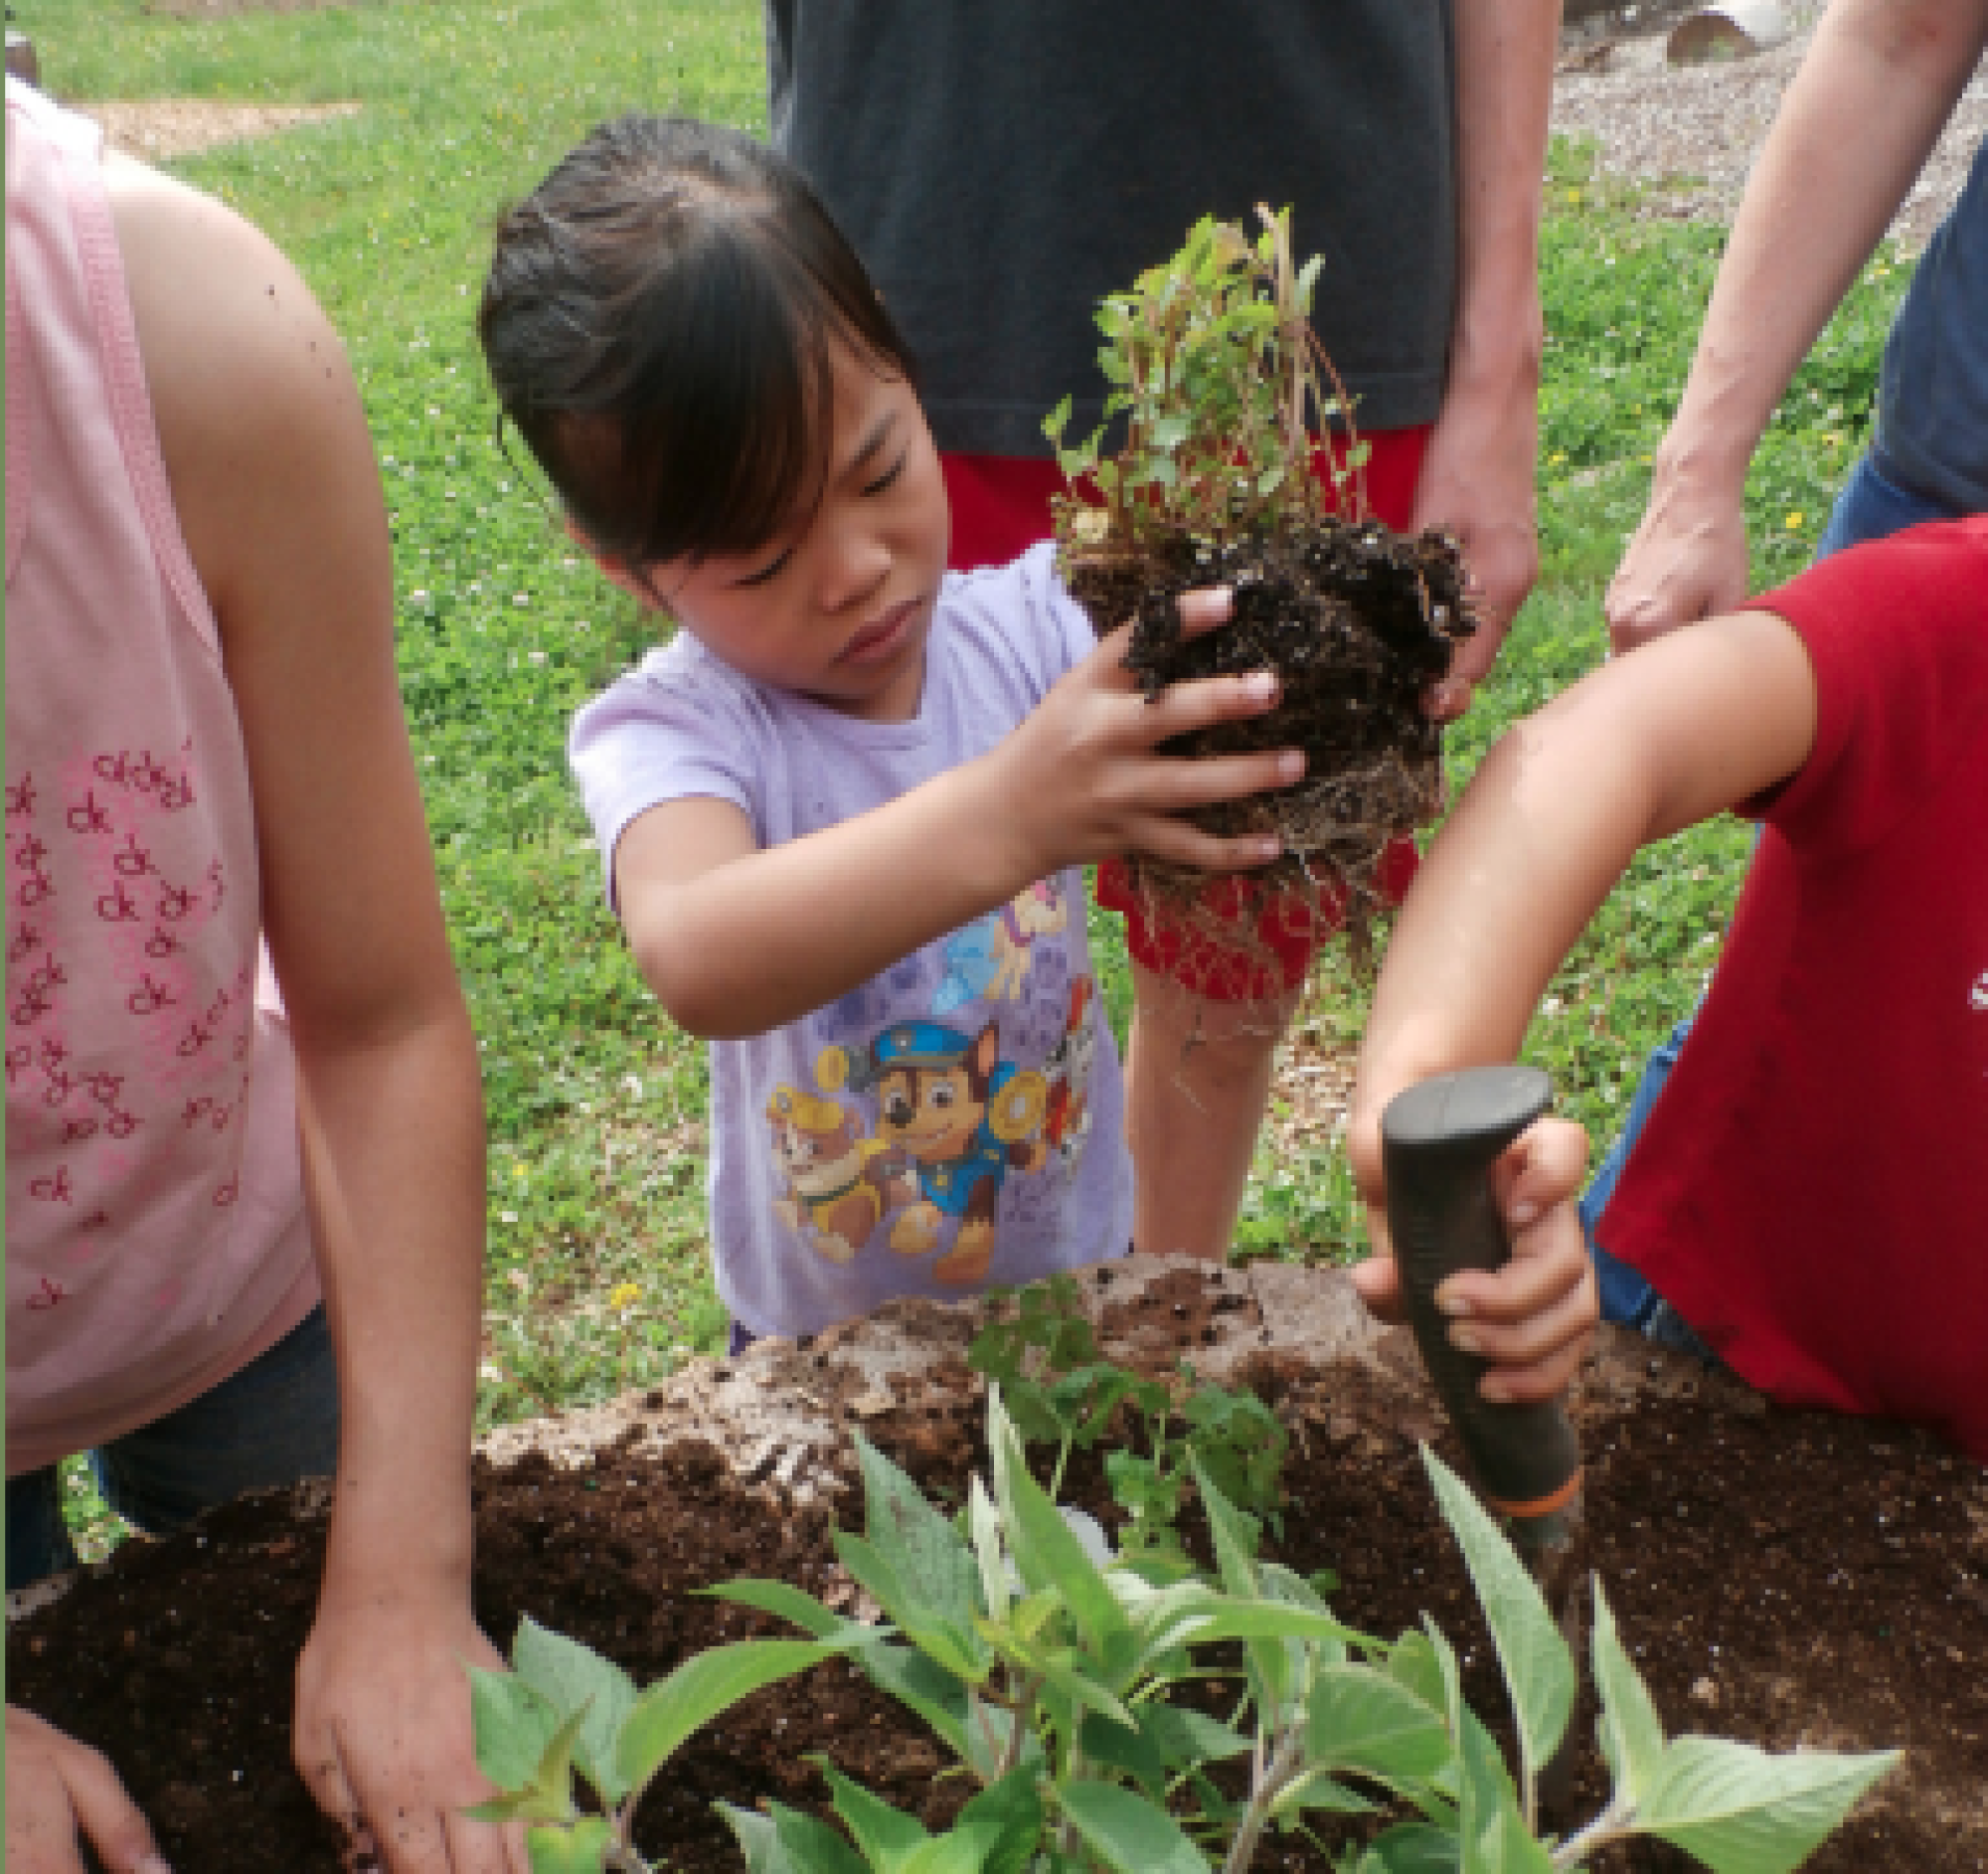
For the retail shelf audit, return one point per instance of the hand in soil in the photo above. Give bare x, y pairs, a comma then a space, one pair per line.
1533, 1319
1085, 779
383, 1736
57, 1787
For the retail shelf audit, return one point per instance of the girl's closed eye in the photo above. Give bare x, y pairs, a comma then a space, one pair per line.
889, 474
768, 573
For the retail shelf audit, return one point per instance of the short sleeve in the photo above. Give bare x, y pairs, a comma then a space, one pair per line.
1896, 632
676, 729
1026, 604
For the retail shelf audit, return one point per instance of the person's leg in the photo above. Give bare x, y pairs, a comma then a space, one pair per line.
38, 1543
272, 1422
1196, 1081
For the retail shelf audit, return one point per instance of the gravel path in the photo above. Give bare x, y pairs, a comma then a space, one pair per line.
1693, 130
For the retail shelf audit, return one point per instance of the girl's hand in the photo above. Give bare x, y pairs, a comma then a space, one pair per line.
61, 1793
1083, 780
1533, 1319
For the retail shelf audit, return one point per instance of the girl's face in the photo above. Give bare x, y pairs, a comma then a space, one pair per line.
836, 607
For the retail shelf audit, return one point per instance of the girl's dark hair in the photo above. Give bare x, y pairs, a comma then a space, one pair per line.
659, 321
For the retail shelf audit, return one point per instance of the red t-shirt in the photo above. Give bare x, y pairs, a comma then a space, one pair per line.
1811, 1191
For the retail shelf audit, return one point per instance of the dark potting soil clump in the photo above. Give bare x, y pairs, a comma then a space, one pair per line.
1357, 621
1782, 1578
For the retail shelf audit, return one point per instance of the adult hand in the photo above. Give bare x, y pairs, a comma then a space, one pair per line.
383, 1734
1085, 777
1533, 1319
58, 1788
1685, 561
1477, 483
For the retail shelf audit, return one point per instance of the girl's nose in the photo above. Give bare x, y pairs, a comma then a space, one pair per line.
856, 560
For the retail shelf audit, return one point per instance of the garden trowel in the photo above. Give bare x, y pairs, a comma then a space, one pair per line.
1439, 1141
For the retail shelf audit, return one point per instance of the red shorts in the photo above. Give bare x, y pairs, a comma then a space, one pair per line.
1001, 508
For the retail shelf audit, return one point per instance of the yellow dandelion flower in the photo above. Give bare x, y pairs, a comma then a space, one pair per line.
624, 1295
1793, 519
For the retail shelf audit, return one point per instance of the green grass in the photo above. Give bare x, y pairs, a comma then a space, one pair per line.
598, 1277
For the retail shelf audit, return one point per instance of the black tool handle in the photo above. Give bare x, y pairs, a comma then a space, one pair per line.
1439, 1141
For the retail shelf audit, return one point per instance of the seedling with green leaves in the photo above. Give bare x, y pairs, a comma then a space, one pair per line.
1046, 1665
1058, 1391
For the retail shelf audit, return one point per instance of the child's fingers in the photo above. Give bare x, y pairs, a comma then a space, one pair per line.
1205, 609
1177, 842
1208, 701
1171, 785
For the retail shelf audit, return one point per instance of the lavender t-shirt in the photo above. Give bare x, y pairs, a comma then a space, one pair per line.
969, 1097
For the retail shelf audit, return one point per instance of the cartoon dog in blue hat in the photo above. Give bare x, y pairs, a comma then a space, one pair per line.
960, 1118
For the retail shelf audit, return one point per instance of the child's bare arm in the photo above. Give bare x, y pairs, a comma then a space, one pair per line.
736, 940
1692, 725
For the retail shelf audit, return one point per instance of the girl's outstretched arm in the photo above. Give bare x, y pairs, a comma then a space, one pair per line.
737, 940
274, 484
1692, 725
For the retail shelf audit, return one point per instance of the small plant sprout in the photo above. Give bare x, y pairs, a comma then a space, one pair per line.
1047, 1666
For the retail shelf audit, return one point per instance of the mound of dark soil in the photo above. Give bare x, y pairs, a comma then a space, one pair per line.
1784, 1578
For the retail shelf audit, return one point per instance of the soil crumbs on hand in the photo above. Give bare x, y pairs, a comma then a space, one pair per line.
1781, 1578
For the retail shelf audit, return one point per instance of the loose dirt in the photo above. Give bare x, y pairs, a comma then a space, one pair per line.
1785, 1578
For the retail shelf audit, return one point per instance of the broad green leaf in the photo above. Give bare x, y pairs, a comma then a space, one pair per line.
1741, 1810
1539, 1667
698, 1690
1317, 1789
1130, 1834
1235, 1538
1126, 1749
998, 1833
1358, 1719
1491, 1833
1054, 423
1412, 1662
512, 1725
885, 1837
794, 1606
1632, 1735
575, 1678
581, 1849
925, 1552
786, 1841
1410, 1848
1182, 1736
1046, 1552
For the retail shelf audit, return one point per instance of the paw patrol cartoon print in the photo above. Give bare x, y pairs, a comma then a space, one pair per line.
991, 955
957, 1120
1066, 1122
831, 1184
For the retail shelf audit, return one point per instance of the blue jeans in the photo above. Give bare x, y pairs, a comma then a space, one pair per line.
1870, 506
274, 1421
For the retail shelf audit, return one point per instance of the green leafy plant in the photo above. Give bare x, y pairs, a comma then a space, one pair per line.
1058, 1391
1047, 1667
1223, 387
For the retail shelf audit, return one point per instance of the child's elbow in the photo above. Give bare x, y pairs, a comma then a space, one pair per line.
692, 992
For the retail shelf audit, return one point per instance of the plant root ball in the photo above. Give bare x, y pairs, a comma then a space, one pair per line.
1357, 621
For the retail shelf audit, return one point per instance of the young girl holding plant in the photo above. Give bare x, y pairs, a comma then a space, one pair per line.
842, 811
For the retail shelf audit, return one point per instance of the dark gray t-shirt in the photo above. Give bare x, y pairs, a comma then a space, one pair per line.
1001, 165
1932, 388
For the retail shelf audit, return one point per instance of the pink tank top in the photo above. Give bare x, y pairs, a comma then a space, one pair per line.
155, 1231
